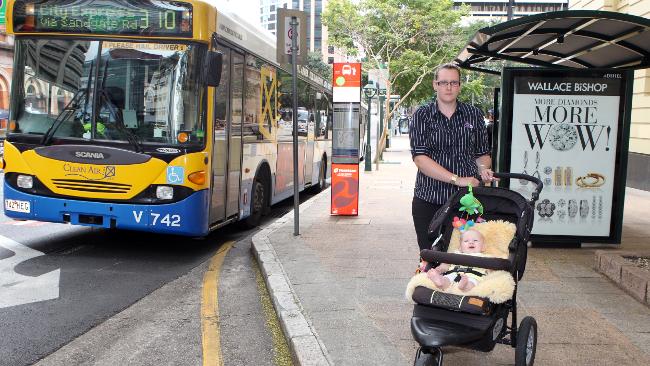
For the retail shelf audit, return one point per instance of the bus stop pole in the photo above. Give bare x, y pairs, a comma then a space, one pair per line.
294, 89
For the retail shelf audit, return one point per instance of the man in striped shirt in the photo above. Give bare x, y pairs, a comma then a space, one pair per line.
449, 145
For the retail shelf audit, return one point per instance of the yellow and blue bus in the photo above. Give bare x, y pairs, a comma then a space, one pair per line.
154, 115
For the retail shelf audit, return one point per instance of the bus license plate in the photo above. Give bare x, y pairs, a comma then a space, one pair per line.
17, 206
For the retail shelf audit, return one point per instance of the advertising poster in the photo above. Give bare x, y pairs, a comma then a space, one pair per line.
565, 130
345, 189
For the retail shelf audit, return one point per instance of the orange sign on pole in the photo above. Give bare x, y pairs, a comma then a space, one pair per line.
346, 82
347, 75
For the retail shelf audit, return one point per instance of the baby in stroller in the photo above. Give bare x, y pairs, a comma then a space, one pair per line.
472, 242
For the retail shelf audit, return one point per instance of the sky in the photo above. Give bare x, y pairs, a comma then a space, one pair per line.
247, 9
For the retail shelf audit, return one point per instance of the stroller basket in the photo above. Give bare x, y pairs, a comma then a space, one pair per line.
469, 304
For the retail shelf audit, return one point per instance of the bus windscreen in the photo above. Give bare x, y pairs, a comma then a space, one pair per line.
108, 17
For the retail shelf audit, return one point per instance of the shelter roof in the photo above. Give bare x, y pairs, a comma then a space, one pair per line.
568, 38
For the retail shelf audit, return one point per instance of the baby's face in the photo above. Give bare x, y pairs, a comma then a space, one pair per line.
471, 242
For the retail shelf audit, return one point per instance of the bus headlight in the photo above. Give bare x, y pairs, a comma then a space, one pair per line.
164, 192
25, 181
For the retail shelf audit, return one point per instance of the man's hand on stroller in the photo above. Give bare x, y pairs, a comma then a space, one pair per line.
487, 175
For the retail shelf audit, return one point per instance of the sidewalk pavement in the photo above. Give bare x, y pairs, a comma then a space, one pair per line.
338, 287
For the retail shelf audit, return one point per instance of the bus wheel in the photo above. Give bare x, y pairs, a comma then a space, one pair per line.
258, 201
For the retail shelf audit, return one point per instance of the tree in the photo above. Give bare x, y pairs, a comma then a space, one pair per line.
478, 87
410, 38
315, 63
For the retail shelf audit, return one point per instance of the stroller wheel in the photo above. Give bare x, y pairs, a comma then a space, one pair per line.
526, 342
423, 358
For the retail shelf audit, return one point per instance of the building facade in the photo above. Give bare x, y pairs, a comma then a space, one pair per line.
268, 13
638, 168
6, 70
497, 10
316, 32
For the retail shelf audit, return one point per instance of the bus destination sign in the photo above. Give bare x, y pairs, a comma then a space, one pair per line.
122, 17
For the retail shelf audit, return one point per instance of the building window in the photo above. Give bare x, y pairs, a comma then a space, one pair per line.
330, 60
330, 49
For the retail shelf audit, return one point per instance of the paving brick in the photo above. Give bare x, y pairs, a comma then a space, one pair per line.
294, 324
611, 265
597, 256
308, 352
635, 281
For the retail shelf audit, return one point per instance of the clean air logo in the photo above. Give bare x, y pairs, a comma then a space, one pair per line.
89, 155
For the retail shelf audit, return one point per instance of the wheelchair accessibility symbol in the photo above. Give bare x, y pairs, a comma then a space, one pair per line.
175, 174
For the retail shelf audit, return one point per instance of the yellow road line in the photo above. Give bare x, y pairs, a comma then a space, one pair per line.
210, 309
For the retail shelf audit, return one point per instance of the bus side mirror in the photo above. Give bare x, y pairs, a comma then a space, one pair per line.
214, 65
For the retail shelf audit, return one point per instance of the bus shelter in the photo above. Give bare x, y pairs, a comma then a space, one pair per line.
566, 119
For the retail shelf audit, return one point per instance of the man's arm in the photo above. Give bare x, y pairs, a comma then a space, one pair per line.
484, 164
483, 158
431, 168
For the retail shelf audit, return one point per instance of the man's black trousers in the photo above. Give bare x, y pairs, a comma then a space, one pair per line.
423, 212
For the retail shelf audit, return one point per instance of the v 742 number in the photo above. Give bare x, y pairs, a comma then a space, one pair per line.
158, 219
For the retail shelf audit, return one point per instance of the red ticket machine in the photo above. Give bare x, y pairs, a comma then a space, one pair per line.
345, 139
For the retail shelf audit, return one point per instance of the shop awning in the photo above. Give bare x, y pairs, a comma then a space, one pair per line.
569, 38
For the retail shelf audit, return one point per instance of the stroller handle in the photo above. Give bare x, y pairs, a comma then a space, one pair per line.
535, 180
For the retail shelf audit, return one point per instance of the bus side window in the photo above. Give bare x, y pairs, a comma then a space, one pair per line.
222, 95
285, 124
321, 116
251, 98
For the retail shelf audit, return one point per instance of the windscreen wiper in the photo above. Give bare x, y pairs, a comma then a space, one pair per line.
65, 113
132, 137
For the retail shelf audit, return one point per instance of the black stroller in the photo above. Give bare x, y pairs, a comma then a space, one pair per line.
441, 319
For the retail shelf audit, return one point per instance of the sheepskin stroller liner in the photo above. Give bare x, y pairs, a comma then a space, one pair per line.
434, 326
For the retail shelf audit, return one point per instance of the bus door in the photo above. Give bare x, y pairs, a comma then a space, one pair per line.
309, 140
235, 153
309, 152
226, 152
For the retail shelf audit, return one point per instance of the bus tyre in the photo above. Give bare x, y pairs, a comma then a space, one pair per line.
258, 203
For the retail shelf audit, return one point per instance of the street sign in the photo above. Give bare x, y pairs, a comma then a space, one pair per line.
285, 35
347, 75
346, 82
